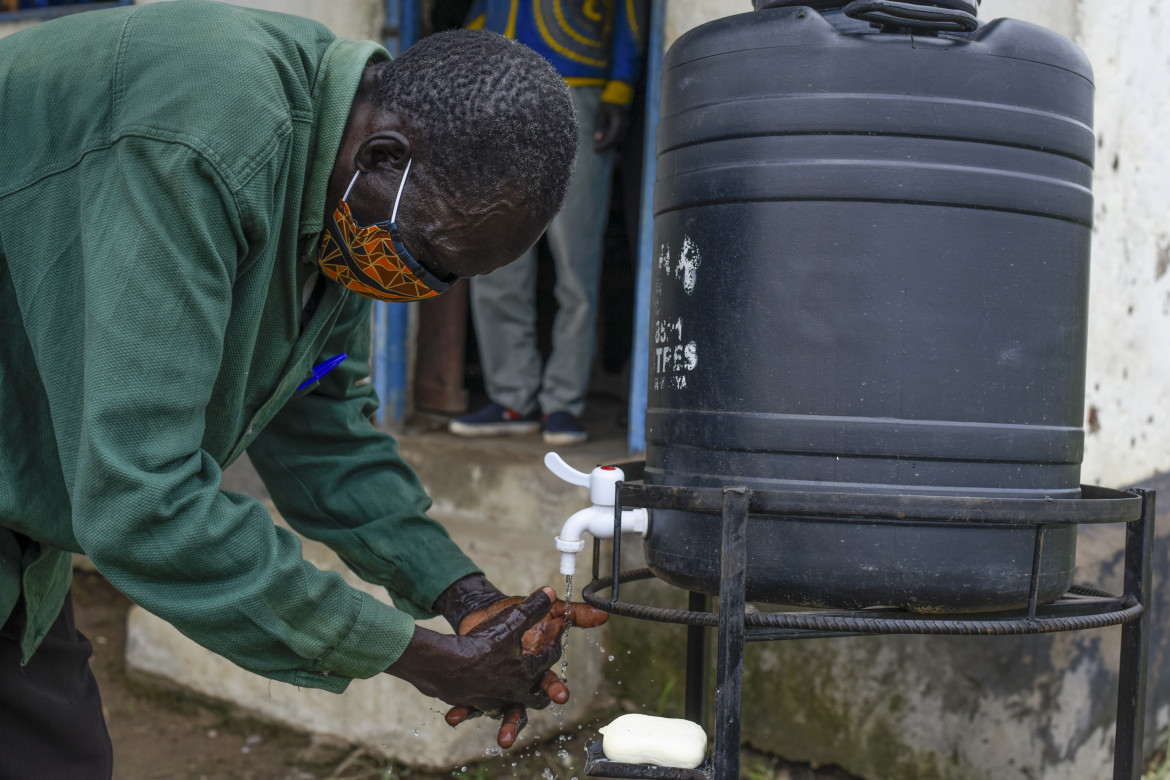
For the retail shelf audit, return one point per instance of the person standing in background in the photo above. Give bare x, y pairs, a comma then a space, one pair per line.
594, 46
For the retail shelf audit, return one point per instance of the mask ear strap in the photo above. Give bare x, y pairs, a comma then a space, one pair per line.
352, 182
401, 184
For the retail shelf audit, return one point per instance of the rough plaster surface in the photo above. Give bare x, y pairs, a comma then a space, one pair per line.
481, 481
498, 486
383, 713
1129, 323
944, 708
11, 27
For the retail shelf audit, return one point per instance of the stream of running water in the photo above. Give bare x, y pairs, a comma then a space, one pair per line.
565, 635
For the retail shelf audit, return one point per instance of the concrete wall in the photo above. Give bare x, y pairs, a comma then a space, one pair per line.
347, 18
11, 27
1127, 409
359, 19
1129, 326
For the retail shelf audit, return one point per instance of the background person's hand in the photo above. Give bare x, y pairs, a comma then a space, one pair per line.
609, 125
487, 670
537, 640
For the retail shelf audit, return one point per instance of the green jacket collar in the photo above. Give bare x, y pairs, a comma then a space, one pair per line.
333, 93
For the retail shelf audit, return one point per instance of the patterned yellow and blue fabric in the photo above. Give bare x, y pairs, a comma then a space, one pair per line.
589, 42
374, 266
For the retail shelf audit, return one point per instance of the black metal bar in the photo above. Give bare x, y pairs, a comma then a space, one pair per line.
696, 693
1034, 582
1135, 646
1097, 505
597, 765
617, 540
596, 559
1074, 612
728, 694
764, 634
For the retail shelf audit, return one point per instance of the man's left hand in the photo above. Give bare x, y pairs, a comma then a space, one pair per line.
540, 637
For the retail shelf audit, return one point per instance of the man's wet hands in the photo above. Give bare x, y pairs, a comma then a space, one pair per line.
499, 664
536, 641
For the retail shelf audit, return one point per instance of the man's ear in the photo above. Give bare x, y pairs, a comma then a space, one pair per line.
386, 149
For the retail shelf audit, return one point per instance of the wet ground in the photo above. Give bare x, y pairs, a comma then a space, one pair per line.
162, 735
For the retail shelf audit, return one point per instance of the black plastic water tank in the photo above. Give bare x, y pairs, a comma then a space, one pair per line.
871, 277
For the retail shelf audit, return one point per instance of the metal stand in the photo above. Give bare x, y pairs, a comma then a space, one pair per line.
1081, 608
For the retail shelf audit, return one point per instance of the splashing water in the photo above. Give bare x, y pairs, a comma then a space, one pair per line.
565, 635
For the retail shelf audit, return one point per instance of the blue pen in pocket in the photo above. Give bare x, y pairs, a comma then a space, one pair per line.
321, 370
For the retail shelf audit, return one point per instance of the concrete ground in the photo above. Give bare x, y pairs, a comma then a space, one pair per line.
500, 481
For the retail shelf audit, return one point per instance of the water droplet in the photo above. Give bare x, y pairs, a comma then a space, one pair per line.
611, 658
414, 732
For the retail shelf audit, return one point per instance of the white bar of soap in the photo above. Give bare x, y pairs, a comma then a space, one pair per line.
645, 739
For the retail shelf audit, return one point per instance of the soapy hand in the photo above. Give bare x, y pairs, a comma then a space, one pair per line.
486, 670
537, 642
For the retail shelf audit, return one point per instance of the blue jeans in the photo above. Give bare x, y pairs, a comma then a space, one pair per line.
503, 303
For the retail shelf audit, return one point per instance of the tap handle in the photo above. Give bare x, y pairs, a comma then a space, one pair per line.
556, 464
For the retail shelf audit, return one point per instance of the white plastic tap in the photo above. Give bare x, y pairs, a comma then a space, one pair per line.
597, 519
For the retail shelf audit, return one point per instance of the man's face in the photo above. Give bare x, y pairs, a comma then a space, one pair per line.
448, 233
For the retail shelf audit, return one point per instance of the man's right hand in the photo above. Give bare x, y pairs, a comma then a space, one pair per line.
536, 640
486, 670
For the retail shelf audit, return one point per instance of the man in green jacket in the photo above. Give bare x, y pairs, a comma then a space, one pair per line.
197, 204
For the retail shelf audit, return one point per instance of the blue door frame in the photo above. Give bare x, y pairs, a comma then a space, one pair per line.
392, 320
640, 358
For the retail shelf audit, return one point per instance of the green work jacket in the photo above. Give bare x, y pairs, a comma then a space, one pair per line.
162, 190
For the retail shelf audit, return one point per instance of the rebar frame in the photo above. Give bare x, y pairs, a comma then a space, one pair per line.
1081, 608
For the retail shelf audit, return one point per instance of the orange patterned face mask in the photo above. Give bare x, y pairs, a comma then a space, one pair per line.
371, 260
